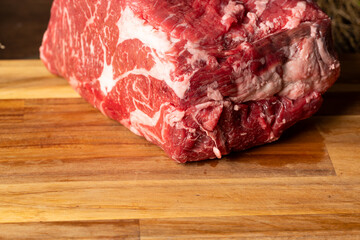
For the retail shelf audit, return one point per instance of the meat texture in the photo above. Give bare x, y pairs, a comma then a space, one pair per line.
199, 78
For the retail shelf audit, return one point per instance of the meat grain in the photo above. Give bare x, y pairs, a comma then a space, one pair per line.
199, 78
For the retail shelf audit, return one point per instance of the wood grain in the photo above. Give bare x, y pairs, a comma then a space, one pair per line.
326, 226
68, 172
24, 79
103, 200
112, 229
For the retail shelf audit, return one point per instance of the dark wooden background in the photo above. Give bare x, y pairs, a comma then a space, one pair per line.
22, 24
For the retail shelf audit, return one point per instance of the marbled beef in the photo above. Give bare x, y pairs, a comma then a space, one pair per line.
199, 78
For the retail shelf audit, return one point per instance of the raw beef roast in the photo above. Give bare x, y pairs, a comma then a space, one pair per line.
199, 78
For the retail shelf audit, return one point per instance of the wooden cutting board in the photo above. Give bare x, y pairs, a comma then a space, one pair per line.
68, 172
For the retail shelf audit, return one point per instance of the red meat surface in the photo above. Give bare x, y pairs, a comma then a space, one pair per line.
199, 78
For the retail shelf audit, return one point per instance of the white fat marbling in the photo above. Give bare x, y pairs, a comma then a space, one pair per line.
217, 152
138, 117
260, 6
132, 27
174, 117
231, 10
106, 78
140, 121
197, 54
295, 19
308, 68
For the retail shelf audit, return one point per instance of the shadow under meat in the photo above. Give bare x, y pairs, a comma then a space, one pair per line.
290, 149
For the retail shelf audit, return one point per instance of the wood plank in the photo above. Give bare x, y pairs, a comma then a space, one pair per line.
64, 167
334, 226
30, 79
111, 229
342, 140
11, 111
327, 226
89, 200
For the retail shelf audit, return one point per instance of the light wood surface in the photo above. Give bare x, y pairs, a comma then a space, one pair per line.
68, 172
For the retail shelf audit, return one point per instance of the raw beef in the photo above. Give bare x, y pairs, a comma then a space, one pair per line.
199, 78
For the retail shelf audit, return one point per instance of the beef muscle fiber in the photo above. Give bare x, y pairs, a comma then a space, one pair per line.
199, 78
